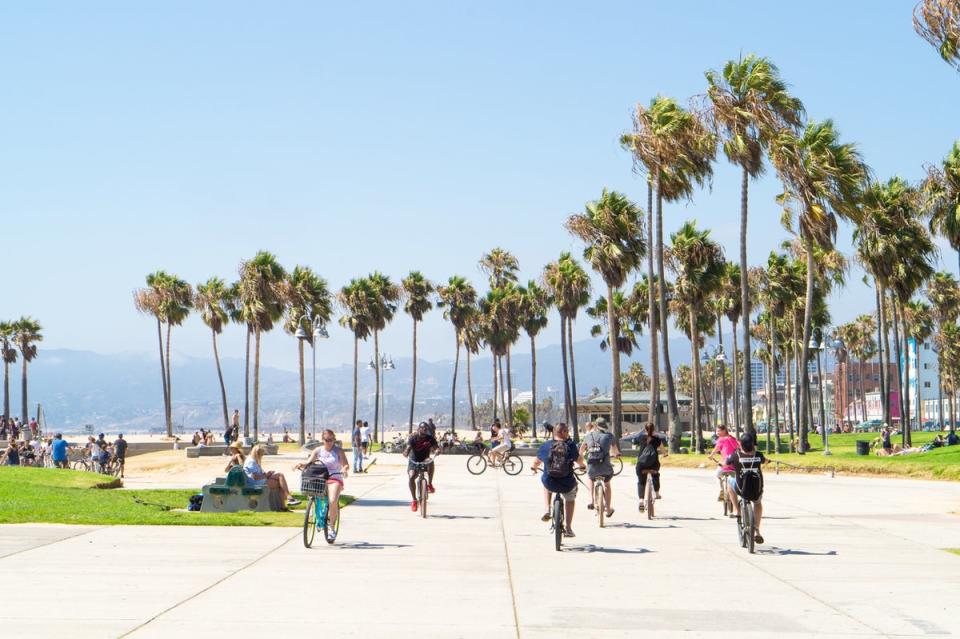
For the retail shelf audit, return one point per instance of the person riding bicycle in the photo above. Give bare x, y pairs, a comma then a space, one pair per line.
335, 461
505, 445
597, 448
558, 456
649, 460
726, 446
747, 479
419, 448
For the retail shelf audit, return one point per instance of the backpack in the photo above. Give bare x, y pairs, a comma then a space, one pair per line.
594, 451
647, 458
558, 461
749, 479
196, 501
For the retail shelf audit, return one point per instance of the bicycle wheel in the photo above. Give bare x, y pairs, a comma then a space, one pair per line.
599, 501
330, 528
310, 522
557, 522
617, 465
115, 470
750, 527
649, 496
512, 465
476, 464
742, 525
422, 493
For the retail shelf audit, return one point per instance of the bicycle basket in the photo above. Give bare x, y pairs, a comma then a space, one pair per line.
314, 486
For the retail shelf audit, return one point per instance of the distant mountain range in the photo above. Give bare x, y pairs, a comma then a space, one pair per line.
123, 391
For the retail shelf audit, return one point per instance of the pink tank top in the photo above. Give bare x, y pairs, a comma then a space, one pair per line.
330, 459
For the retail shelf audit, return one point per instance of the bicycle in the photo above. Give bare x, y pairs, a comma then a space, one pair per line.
727, 503
600, 500
318, 509
617, 463
558, 512
421, 482
83, 464
112, 467
511, 463
747, 525
649, 493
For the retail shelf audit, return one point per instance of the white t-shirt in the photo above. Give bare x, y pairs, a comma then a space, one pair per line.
365, 434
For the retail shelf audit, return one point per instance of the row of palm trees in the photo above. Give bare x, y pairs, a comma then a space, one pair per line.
18, 339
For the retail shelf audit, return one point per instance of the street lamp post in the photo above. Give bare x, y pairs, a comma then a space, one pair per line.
318, 331
836, 346
386, 364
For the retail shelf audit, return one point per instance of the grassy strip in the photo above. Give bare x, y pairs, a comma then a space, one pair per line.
43, 495
955, 551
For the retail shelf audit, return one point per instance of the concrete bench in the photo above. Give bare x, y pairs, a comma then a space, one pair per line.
232, 494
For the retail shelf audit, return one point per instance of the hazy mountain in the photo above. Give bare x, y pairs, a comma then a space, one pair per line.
124, 390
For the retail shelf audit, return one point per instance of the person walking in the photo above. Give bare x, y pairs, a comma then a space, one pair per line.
120, 452
365, 436
356, 445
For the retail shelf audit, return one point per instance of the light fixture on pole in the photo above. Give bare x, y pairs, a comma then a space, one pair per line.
837, 346
319, 332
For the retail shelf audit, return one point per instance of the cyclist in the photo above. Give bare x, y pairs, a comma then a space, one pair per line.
597, 448
649, 459
559, 455
499, 451
726, 446
333, 457
747, 479
421, 445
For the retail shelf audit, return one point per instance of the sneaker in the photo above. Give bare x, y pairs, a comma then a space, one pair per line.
610, 512
757, 538
431, 489
590, 506
546, 517
292, 502
568, 533
640, 508
414, 505
720, 497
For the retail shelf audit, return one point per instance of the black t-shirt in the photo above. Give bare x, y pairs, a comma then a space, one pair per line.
420, 446
120, 448
748, 471
886, 440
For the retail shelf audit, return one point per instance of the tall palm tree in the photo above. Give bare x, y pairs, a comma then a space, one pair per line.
354, 300
458, 300
262, 281
535, 302
211, 301
26, 336
733, 301
938, 22
472, 339
612, 229
943, 292
501, 268
569, 285
499, 311
8, 352
750, 103
308, 304
383, 306
418, 293
941, 191
698, 262
823, 180
630, 328
636, 379
918, 322
676, 150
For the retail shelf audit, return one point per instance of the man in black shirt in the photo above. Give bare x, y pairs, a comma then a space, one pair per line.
419, 448
747, 479
120, 452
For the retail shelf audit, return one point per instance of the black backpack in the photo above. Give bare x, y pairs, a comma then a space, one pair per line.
558, 462
749, 479
196, 501
647, 458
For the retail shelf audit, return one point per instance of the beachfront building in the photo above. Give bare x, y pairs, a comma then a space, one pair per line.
636, 410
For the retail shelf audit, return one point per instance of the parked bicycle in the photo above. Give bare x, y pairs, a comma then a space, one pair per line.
421, 481
511, 463
396, 445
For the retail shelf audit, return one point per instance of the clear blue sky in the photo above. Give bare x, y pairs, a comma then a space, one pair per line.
391, 136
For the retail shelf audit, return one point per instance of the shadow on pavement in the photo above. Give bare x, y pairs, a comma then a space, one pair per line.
590, 548
459, 517
366, 545
380, 502
629, 525
689, 518
784, 552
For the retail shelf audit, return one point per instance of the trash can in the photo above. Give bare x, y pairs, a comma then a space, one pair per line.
863, 447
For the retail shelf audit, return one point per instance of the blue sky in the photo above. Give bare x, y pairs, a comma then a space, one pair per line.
390, 136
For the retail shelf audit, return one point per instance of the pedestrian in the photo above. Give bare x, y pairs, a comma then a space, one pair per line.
365, 437
59, 451
356, 445
11, 454
120, 452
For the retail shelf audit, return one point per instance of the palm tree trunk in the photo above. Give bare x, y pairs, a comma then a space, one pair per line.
473, 412
940, 392
907, 423
736, 388
885, 367
223, 388
163, 374
23, 390
884, 382
788, 396
904, 411
745, 303
453, 390
696, 430
246, 389
6, 383
509, 392
566, 378
772, 386
533, 382
169, 387
356, 366
502, 392
654, 412
667, 371
614, 323
804, 350
376, 392
919, 404
573, 382
303, 394
413, 390
256, 386
953, 403
495, 385
863, 393
723, 378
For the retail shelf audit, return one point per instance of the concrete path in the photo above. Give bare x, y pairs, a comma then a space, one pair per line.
845, 557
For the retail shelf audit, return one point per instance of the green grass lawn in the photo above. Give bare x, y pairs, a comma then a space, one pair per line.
955, 551
46, 495
939, 463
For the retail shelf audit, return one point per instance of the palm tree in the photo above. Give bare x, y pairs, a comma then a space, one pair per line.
472, 339
211, 301
676, 150
918, 322
941, 191
630, 328
261, 294
938, 22
535, 302
499, 311
823, 180
418, 293
385, 295
354, 300
733, 303
27, 333
308, 305
501, 268
698, 263
636, 379
612, 229
569, 285
750, 105
8, 331
458, 298
943, 292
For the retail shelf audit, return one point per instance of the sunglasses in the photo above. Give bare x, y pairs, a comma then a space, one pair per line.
328, 440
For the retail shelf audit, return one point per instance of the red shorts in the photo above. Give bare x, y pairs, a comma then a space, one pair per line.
334, 480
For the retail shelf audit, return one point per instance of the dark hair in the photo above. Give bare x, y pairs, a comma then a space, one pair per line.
649, 428
747, 442
58, 436
120, 435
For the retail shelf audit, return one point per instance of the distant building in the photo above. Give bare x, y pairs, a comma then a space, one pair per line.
636, 409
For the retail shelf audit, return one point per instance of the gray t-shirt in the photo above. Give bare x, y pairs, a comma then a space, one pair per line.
598, 440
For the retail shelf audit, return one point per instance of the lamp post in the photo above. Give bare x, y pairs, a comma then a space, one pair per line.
318, 331
386, 364
721, 358
836, 346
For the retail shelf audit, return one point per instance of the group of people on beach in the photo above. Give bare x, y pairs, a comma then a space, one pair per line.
13, 428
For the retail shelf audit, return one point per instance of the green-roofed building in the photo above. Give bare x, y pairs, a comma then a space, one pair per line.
636, 410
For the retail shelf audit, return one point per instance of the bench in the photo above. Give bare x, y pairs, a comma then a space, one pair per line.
231, 494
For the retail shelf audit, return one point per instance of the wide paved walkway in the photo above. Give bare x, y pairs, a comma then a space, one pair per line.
845, 557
